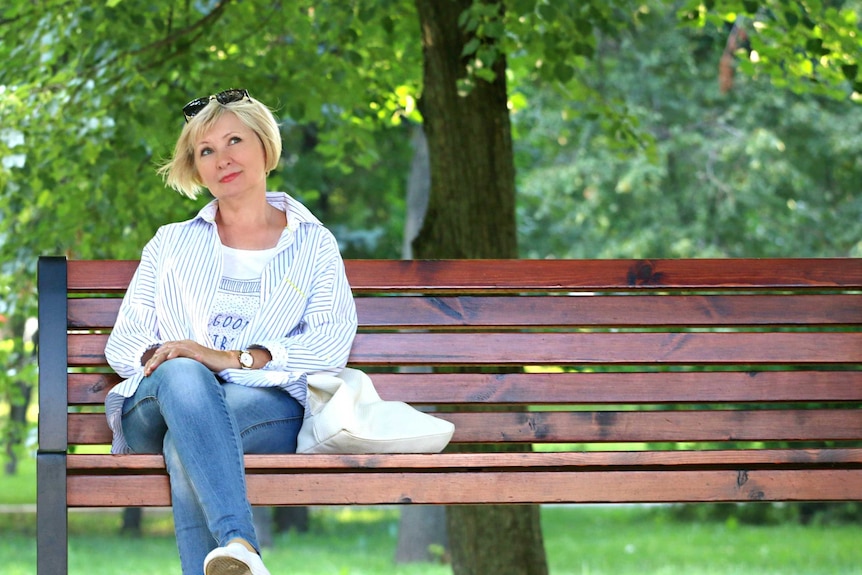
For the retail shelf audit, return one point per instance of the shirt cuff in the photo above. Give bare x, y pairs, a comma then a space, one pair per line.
279, 355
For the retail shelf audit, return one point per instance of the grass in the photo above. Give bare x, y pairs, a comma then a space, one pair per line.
580, 540
19, 489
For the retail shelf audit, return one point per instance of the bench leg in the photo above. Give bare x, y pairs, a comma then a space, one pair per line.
52, 544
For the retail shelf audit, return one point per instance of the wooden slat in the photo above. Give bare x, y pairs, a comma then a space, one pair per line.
100, 275
621, 388
563, 487
93, 313
730, 459
90, 388
573, 275
508, 487
608, 426
605, 348
406, 349
576, 388
563, 311
609, 311
562, 275
656, 426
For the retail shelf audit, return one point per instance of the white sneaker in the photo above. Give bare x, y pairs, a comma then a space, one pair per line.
233, 559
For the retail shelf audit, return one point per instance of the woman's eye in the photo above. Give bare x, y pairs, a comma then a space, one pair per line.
206, 151
235, 140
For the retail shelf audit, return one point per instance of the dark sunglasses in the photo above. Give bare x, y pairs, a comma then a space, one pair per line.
194, 107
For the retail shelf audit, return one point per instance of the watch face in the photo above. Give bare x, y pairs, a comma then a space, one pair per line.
246, 360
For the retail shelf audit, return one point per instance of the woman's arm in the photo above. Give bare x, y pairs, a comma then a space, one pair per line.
135, 332
323, 338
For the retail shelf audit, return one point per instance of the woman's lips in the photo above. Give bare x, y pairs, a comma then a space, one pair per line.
229, 178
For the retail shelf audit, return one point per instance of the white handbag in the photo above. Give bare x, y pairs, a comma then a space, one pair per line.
344, 414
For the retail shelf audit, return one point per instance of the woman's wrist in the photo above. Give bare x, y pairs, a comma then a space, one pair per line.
260, 355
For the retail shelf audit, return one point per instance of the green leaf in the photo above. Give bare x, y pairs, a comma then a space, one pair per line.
751, 6
563, 73
814, 46
471, 47
494, 29
520, 7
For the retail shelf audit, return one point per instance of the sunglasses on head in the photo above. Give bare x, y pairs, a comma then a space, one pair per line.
194, 107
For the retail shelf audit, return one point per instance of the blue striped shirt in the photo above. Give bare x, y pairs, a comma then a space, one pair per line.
306, 319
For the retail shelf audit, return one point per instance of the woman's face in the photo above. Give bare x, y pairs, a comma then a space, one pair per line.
230, 158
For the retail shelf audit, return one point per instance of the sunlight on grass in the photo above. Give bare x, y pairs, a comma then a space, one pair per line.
580, 540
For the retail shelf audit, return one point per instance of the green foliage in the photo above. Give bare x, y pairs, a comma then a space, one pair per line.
738, 174
17, 378
97, 87
90, 101
810, 46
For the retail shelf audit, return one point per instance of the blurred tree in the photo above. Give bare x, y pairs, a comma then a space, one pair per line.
733, 174
808, 46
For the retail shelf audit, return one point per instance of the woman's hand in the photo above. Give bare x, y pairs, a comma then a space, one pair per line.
214, 359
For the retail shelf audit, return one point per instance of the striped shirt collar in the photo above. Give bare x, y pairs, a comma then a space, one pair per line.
296, 212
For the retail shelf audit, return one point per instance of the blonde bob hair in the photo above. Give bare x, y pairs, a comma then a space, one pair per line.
180, 172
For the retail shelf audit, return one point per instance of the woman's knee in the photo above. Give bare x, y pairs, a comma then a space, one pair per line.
183, 373
183, 382
181, 367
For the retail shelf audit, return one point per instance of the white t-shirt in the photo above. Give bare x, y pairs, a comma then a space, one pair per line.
237, 298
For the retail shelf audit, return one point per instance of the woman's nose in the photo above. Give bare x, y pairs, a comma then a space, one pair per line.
222, 159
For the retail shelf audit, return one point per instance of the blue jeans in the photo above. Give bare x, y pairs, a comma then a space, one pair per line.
203, 426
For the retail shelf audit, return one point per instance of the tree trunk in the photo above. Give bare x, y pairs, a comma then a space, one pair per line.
507, 539
418, 190
16, 428
262, 517
133, 518
421, 528
287, 518
471, 210
471, 214
422, 535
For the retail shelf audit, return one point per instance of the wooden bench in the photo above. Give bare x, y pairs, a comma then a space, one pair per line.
613, 380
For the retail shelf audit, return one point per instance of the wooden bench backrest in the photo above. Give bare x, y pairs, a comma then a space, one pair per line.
712, 353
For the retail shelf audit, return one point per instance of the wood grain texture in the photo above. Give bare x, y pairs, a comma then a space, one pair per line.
653, 460
581, 388
607, 426
476, 312
556, 348
503, 487
436, 276
688, 380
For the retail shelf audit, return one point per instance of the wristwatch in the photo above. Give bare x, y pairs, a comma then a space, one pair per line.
246, 360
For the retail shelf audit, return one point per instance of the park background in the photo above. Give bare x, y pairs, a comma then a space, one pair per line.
569, 129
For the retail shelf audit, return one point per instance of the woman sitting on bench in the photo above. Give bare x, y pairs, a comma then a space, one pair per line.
226, 315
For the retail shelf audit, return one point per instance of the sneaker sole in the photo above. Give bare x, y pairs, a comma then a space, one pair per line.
227, 566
